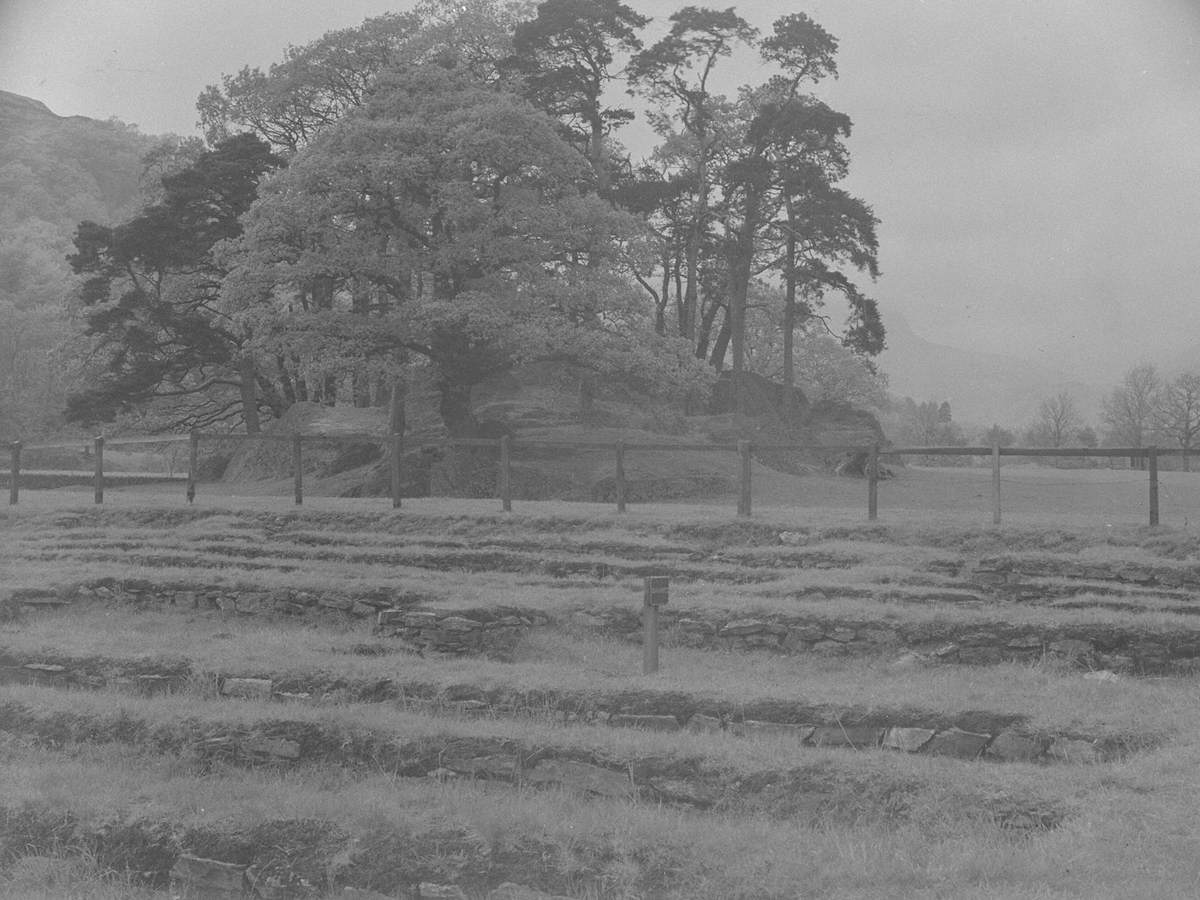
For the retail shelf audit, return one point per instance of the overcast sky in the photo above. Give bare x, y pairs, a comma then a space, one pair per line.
1035, 163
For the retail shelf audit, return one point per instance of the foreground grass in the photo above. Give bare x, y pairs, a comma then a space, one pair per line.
1135, 836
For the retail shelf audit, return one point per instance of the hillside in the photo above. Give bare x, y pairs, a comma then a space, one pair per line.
982, 388
62, 169
55, 171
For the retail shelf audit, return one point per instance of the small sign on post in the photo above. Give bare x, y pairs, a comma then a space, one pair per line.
656, 589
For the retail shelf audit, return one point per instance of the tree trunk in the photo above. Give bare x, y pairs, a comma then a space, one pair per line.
717, 358
249, 392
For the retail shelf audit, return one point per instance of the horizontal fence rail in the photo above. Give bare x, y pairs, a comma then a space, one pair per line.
507, 446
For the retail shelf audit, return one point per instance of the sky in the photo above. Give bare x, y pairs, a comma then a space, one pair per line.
1035, 164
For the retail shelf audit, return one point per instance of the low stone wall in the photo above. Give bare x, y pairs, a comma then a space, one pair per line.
408, 619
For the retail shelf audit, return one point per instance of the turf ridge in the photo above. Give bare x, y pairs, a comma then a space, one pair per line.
969, 735
631, 768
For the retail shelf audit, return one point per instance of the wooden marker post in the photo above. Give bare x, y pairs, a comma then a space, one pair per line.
14, 481
620, 476
397, 439
298, 468
995, 483
873, 484
1153, 451
99, 477
744, 492
506, 473
655, 592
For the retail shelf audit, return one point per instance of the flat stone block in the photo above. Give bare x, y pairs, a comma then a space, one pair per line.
957, 743
419, 619
910, 740
581, 776
860, 737
740, 627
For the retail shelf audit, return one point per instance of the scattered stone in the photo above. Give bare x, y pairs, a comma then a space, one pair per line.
946, 651
740, 627
806, 633
910, 740
957, 743
1012, 746
581, 776
419, 619
208, 877
247, 688
652, 723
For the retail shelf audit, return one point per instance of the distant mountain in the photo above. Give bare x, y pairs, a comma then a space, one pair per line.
63, 169
982, 388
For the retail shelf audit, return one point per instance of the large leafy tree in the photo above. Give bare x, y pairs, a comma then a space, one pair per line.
444, 219
746, 190
149, 299
566, 54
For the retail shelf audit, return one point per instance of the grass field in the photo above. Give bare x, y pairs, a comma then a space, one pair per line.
180, 684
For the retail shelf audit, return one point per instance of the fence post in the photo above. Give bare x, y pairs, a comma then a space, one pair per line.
873, 484
744, 493
193, 464
298, 468
620, 476
996, 482
1153, 451
506, 472
14, 483
99, 478
396, 442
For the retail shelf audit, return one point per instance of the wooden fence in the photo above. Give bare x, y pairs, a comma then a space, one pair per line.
506, 445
